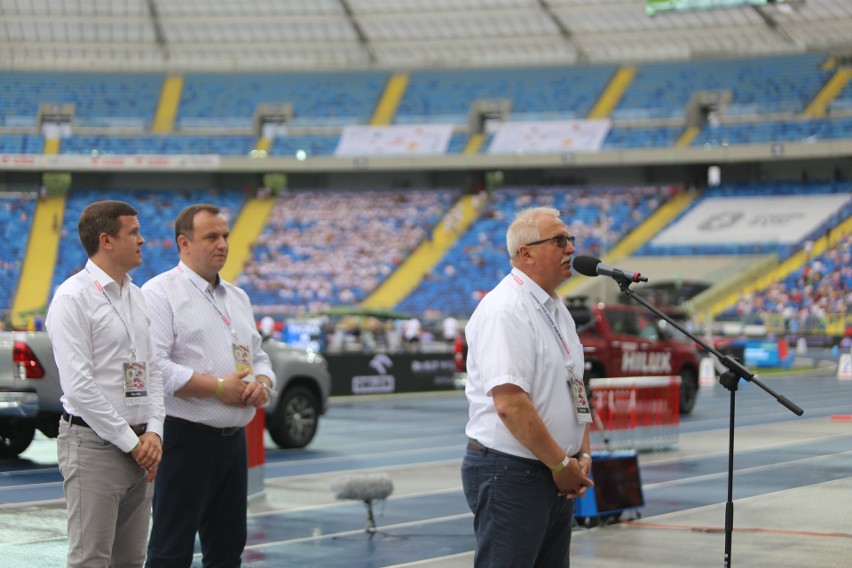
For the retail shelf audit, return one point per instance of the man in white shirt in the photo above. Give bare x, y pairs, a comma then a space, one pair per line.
528, 434
110, 434
215, 375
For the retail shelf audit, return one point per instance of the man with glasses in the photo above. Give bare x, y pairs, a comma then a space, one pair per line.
528, 434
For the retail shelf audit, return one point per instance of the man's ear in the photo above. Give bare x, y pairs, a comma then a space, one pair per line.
104, 241
182, 241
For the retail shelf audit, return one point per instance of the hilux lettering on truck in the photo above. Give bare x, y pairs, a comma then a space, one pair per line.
621, 340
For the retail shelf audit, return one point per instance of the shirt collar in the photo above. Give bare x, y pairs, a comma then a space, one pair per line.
536, 290
98, 274
198, 280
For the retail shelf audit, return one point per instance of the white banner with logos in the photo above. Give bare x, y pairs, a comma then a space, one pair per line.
395, 140
740, 220
549, 136
113, 162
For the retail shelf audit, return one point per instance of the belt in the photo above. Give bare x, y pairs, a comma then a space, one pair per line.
477, 447
226, 431
138, 429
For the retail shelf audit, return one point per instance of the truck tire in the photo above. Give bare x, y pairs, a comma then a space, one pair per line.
295, 421
688, 390
15, 436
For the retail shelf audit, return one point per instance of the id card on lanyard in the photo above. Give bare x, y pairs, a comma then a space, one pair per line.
240, 351
135, 373
582, 410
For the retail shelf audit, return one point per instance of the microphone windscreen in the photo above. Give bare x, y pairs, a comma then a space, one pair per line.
586, 265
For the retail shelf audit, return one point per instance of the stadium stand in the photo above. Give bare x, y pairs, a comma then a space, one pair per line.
217, 99
447, 96
326, 248
16, 213
807, 301
99, 99
598, 217
765, 85
215, 113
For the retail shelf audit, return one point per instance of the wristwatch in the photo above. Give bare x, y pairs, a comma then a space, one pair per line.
266, 387
585, 455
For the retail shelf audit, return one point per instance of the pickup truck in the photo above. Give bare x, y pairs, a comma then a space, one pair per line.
30, 391
624, 340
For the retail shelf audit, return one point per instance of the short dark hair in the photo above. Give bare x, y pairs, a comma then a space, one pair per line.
101, 217
183, 223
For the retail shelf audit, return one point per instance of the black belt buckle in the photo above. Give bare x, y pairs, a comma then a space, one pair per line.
229, 431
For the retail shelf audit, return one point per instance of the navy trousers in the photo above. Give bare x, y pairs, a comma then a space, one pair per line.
201, 487
519, 520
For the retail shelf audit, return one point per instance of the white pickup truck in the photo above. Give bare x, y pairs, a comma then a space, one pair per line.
30, 391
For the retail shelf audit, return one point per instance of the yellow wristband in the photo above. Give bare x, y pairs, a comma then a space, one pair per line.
219, 384
562, 465
136, 447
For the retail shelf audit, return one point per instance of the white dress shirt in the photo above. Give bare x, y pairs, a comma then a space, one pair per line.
93, 338
190, 336
510, 342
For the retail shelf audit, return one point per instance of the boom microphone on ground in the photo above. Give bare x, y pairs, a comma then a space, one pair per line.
591, 266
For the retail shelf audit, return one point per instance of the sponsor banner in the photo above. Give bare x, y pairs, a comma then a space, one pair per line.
555, 136
79, 162
748, 220
394, 140
382, 373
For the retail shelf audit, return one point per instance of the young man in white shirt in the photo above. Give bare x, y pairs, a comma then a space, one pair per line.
110, 434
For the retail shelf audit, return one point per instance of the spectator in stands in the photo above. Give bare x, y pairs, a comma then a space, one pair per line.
110, 434
215, 376
524, 422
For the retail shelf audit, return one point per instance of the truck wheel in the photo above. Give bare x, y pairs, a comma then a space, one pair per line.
15, 436
688, 390
296, 419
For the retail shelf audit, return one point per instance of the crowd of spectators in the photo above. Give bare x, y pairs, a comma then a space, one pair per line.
326, 248
806, 300
598, 216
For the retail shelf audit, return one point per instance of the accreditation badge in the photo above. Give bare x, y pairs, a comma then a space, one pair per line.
135, 383
581, 402
242, 357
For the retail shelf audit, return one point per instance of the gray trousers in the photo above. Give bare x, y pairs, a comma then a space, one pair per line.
108, 501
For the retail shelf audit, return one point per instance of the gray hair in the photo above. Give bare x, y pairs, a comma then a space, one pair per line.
524, 228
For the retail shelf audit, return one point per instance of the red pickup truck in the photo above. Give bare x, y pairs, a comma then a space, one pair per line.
622, 340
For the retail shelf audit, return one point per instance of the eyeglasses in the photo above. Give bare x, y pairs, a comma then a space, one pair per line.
560, 240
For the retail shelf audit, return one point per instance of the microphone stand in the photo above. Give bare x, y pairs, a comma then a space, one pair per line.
729, 379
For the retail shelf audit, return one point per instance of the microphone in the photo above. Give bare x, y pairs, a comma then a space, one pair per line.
591, 266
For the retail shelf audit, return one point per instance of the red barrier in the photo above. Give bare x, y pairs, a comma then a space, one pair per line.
646, 409
256, 453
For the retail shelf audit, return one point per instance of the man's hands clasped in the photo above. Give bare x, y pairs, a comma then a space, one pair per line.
148, 453
236, 392
573, 480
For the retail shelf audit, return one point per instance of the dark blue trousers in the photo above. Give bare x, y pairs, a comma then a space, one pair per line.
201, 487
519, 520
